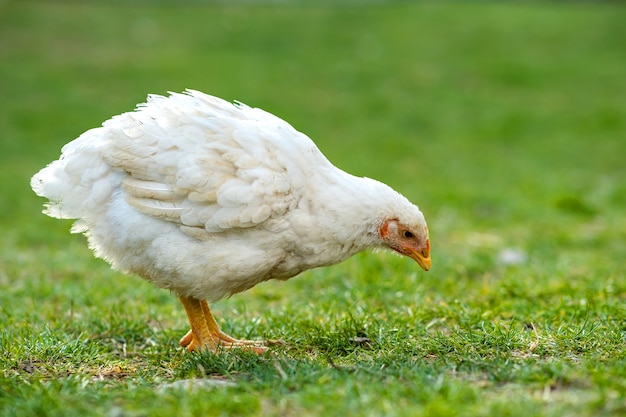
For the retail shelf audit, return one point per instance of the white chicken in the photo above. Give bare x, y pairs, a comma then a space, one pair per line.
208, 198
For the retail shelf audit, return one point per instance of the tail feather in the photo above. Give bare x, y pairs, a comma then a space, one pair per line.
78, 181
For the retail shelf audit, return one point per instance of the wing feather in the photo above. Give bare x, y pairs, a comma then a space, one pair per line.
150, 190
202, 162
156, 208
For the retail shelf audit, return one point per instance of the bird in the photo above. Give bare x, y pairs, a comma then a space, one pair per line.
207, 198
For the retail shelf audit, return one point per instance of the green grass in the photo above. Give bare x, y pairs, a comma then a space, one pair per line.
504, 121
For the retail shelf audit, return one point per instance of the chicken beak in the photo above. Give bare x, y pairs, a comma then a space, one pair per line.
421, 257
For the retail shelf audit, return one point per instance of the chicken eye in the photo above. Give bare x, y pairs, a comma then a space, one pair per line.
407, 234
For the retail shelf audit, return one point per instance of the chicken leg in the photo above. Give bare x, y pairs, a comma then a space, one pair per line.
206, 334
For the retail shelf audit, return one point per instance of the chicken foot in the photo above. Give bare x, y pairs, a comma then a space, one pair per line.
205, 332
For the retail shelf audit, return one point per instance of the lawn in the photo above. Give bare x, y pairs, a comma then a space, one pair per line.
504, 121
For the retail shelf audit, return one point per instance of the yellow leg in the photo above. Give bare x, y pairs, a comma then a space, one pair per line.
206, 334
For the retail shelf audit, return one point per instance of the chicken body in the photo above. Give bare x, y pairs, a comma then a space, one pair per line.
208, 198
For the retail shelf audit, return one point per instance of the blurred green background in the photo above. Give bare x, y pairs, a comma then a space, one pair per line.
504, 121
485, 114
